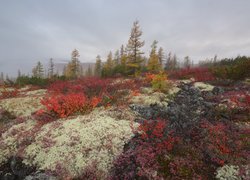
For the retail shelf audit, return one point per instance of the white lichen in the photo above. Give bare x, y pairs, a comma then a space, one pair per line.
203, 86
228, 172
78, 142
12, 138
21, 106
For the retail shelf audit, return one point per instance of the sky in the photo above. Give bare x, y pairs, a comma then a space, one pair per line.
37, 30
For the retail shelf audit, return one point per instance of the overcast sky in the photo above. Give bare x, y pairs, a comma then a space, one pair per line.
36, 30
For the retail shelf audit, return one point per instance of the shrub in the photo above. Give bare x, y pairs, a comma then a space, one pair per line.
141, 159
26, 80
159, 82
199, 74
233, 69
9, 93
65, 105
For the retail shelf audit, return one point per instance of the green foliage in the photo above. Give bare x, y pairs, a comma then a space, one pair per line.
98, 66
234, 69
26, 80
160, 83
134, 53
153, 63
73, 69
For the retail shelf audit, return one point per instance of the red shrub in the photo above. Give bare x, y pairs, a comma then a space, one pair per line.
221, 141
142, 161
199, 74
65, 105
9, 93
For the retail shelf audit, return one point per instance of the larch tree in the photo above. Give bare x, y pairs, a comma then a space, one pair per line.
1, 78
123, 60
134, 49
174, 62
116, 58
98, 66
19, 74
187, 62
73, 67
168, 64
108, 66
38, 70
51, 68
153, 62
89, 71
161, 56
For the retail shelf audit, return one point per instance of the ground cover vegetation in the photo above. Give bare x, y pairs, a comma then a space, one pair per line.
131, 117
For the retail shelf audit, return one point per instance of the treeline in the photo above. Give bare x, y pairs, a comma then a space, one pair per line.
130, 60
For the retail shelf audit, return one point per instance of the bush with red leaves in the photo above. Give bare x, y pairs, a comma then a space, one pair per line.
9, 93
199, 74
141, 159
65, 105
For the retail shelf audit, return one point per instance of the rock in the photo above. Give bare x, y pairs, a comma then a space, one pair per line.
217, 90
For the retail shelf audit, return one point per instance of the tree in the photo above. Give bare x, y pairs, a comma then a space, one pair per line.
174, 62
108, 66
38, 70
89, 71
161, 56
187, 62
116, 58
98, 66
51, 68
73, 68
168, 65
122, 51
19, 74
123, 61
133, 49
153, 63
1, 78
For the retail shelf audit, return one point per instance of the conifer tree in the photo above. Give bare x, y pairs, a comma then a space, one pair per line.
108, 66
123, 60
153, 62
187, 62
98, 66
1, 78
51, 68
134, 49
19, 73
89, 72
161, 56
73, 67
174, 62
116, 58
38, 70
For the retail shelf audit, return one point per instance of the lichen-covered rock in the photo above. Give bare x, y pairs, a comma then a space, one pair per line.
155, 98
39, 92
21, 106
149, 97
203, 86
13, 137
74, 144
228, 172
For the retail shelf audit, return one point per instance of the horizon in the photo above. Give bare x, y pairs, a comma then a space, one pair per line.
38, 31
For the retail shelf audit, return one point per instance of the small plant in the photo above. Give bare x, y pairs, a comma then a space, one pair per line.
159, 82
65, 105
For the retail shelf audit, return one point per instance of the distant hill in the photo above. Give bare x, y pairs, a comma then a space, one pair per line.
60, 66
